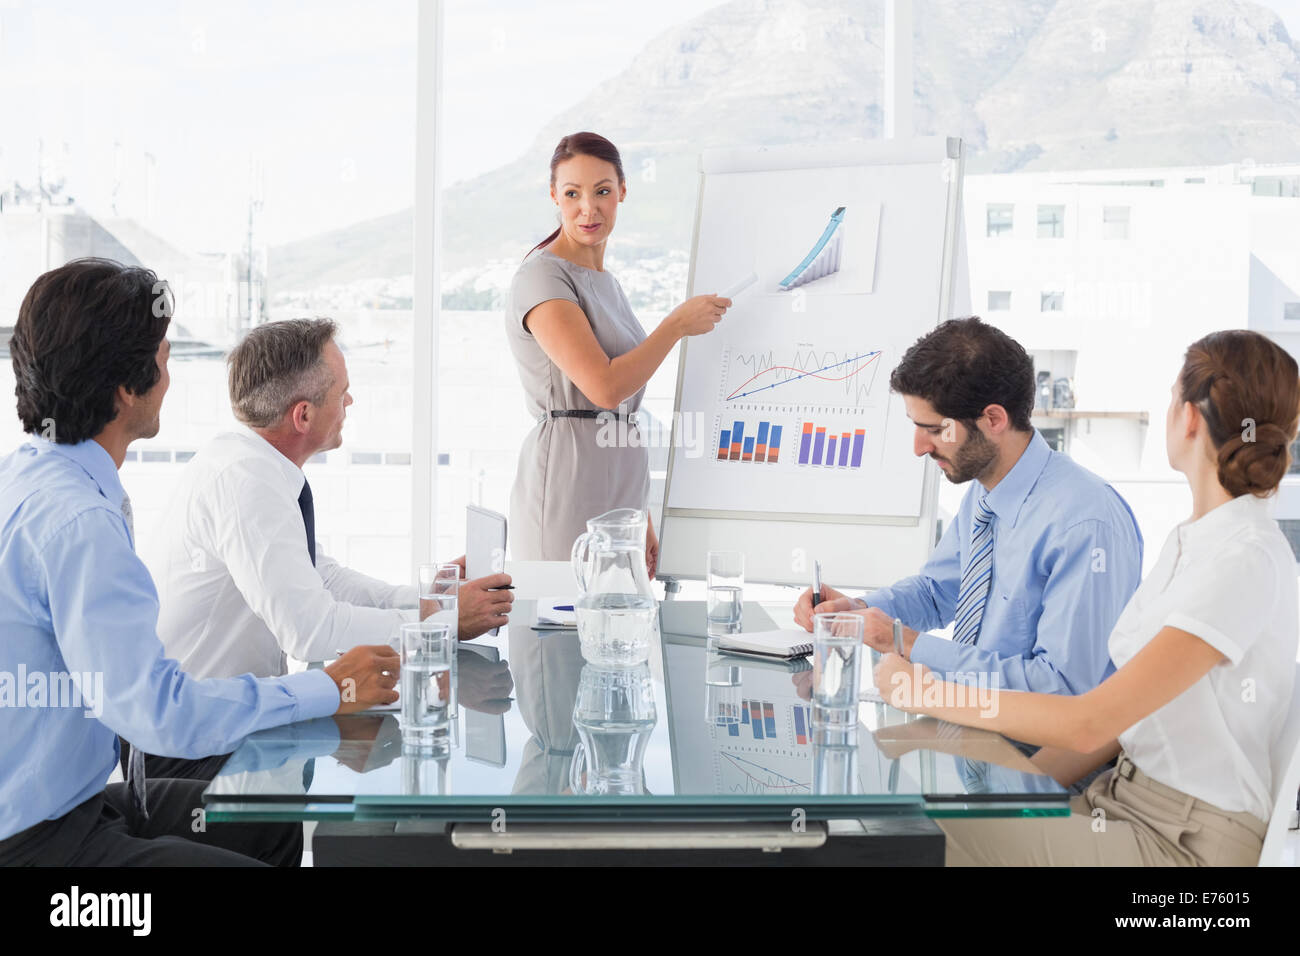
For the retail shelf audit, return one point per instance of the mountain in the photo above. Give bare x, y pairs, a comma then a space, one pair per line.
1046, 84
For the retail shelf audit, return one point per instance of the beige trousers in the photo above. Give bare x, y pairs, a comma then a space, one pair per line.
1123, 819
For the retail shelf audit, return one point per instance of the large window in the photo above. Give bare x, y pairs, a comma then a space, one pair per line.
258, 158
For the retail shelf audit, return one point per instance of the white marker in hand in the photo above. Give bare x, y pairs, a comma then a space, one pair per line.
734, 290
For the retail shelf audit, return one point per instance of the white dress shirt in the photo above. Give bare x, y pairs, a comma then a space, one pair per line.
236, 585
1229, 578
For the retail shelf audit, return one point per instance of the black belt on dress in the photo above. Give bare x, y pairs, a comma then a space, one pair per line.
589, 413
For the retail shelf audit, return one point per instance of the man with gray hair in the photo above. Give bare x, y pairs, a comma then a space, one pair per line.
241, 583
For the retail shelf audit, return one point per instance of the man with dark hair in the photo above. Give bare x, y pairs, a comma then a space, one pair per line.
78, 610
1042, 555
242, 583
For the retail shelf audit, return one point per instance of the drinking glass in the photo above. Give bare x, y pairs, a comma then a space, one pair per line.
440, 601
726, 580
836, 660
439, 594
426, 649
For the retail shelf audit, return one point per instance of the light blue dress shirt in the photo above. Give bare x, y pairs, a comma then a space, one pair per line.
1067, 556
78, 607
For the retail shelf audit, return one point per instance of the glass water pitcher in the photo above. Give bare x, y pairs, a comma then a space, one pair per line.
616, 610
614, 716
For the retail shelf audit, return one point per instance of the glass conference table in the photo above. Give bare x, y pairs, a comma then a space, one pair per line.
695, 746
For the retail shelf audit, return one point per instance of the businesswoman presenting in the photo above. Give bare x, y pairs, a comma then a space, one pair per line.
581, 351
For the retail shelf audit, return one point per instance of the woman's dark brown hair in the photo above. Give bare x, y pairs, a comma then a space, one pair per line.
582, 144
1248, 390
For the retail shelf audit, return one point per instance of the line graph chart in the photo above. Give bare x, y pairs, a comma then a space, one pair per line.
738, 774
803, 379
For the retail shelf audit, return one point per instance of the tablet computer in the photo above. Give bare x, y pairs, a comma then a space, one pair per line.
485, 544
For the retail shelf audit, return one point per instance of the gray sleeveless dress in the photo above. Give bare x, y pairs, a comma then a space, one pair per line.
565, 476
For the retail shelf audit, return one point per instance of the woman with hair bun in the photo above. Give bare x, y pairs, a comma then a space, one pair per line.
583, 357
1205, 651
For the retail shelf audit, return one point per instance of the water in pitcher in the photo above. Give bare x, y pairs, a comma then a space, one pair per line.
615, 629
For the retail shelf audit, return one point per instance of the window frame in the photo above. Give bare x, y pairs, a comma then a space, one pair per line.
1009, 230
1057, 224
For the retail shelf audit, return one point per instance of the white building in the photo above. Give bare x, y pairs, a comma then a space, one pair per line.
1107, 276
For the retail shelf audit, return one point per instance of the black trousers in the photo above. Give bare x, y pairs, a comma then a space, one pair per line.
105, 831
279, 844
202, 768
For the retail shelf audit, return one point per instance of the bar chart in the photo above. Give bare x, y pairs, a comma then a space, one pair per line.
822, 446
750, 442
758, 718
802, 716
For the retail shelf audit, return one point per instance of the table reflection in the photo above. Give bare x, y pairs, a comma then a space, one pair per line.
547, 668
691, 725
614, 716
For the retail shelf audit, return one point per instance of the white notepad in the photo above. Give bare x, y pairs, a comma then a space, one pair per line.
550, 615
784, 643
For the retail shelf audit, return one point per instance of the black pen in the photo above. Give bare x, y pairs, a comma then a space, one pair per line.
817, 583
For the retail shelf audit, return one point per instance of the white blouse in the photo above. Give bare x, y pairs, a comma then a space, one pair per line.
1230, 579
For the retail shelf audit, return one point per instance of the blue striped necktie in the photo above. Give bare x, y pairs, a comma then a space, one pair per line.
975, 577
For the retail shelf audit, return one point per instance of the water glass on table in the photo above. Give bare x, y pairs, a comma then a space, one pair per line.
426, 686
440, 601
439, 594
726, 580
837, 639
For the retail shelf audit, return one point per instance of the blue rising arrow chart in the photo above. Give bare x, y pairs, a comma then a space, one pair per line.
824, 257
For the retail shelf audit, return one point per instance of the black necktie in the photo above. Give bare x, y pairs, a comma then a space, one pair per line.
308, 518
135, 772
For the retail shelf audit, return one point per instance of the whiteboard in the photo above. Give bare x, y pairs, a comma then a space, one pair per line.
788, 443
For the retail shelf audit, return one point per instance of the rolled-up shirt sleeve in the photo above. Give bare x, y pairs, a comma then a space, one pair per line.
104, 611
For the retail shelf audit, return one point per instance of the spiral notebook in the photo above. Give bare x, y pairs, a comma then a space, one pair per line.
783, 644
